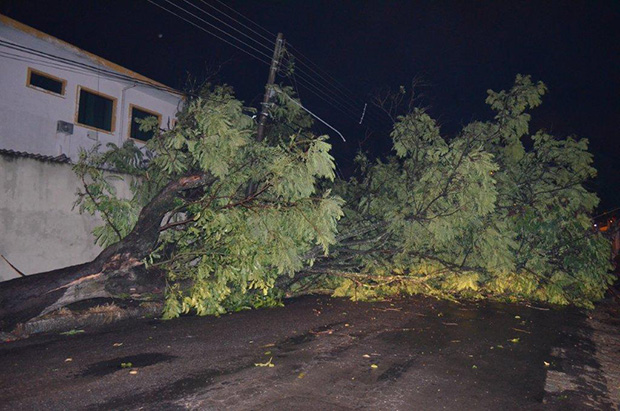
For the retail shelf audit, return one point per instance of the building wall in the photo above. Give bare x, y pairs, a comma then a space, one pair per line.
39, 230
29, 116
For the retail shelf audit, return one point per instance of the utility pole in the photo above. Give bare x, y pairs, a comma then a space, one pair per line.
262, 117
275, 62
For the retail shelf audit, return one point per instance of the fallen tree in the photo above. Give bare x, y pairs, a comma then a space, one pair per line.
493, 212
227, 222
113, 269
214, 210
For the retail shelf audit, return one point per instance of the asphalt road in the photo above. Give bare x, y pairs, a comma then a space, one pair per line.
318, 353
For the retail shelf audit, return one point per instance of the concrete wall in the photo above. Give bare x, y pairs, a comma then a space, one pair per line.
29, 116
39, 231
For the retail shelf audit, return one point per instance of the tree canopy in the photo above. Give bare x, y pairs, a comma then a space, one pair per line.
493, 212
255, 217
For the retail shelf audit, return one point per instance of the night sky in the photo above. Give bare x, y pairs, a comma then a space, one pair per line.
457, 49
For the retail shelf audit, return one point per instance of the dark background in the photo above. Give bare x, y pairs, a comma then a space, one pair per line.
457, 49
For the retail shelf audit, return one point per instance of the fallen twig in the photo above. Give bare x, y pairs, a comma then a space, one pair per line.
537, 308
12, 266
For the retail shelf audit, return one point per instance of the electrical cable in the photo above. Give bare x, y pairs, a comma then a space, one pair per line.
230, 18
342, 101
209, 32
97, 69
300, 54
345, 102
245, 18
308, 82
344, 97
337, 85
606, 212
24, 59
327, 99
312, 114
315, 87
228, 25
331, 100
269, 40
292, 78
217, 28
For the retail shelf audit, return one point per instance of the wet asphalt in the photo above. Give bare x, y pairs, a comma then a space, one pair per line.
317, 353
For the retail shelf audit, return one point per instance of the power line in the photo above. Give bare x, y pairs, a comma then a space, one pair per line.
318, 84
293, 79
217, 28
303, 57
181, 8
73, 64
329, 78
271, 40
227, 25
344, 103
209, 32
326, 98
24, 59
607, 212
83, 68
312, 114
245, 18
333, 94
325, 89
347, 95
309, 82
331, 99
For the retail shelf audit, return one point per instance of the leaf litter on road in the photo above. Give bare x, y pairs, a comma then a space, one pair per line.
265, 364
72, 332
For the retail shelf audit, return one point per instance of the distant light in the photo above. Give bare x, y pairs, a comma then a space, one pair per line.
160, 35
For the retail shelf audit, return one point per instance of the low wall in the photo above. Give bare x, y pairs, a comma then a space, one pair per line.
39, 229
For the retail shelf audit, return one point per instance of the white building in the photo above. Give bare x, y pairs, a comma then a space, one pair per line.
56, 98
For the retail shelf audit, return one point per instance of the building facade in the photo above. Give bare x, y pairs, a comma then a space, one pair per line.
56, 98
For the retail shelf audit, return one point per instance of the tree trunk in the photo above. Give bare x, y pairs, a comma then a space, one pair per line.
118, 266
